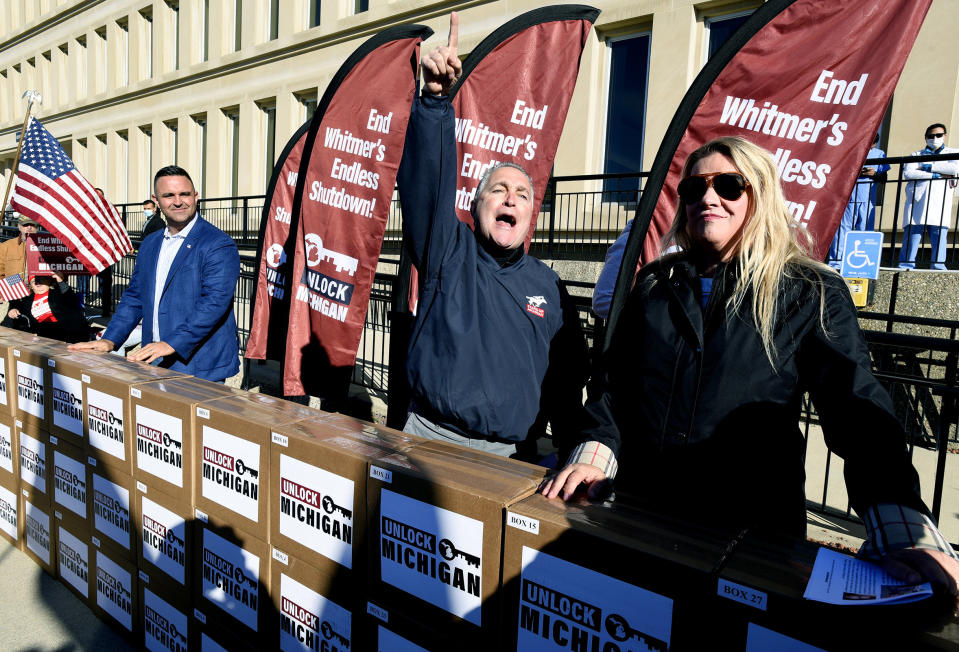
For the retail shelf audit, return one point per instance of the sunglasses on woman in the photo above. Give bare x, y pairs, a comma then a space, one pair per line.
728, 185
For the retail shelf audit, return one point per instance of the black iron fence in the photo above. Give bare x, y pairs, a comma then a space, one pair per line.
582, 215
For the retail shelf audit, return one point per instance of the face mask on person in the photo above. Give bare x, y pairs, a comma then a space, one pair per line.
147, 213
934, 143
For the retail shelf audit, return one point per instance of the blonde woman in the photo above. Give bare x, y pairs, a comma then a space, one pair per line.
698, 399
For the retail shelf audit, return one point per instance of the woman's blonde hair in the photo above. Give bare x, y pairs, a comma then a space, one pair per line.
771, 243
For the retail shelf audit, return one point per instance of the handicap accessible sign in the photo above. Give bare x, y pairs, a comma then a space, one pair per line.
861, 255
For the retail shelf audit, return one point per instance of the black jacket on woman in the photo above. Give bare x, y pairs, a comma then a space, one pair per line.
705, 428
70, 325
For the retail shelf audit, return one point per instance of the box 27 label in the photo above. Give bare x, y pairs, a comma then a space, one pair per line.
8, 513
37, 531
30, 388
114, 590
111, 510
33, 462
164, 539
164, 628
6, 448
159, 444
563, 606
105, 423
68, 403
432, 553
231, 472
70, 483
231, 578
74, 568
316, 509
308, 621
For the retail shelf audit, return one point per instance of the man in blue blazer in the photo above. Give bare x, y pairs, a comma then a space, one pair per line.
182, 288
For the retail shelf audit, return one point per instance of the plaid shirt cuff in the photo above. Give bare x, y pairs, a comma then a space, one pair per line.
597, 454
897, 527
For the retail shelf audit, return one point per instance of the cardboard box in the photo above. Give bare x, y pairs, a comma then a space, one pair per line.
115, 593
163, 414
165, 540
74, 561
9, 513
607, 575
165, 620
111, 506
35, 461
385, 628
436, 528
36, 532
231, 586
29, 367
757, 600
318, 472
213, 637
233, 459
9, 451
314, 609
70, 479
8, 385
106, 403
66, 394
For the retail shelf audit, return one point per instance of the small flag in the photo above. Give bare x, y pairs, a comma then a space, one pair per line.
13, 288
49, 189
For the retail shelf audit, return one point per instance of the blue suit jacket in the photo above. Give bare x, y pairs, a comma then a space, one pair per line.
196, 307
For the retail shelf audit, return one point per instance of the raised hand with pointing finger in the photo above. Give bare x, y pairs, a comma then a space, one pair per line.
441, 66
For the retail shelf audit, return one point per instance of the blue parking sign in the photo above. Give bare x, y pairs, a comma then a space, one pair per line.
861, 255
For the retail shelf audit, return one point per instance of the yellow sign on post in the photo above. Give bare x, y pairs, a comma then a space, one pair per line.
860, 289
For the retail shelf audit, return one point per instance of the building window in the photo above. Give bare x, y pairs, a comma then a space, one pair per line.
123, 49
274, 19
307, 100
719, 29
269, 136
145, 157
314, 13
200, 121
173, 135
359, 6
173, 27
233, 136
626, 113
80, 66
237, 25
146, 50
101, 60
205, 42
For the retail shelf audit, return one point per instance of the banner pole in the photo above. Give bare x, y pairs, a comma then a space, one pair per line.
31, 96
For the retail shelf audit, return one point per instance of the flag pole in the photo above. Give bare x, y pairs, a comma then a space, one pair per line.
30, 96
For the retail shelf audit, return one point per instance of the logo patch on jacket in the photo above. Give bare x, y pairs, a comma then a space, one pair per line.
535, 305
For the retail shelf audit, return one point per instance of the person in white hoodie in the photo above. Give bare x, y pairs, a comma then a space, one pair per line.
929, 196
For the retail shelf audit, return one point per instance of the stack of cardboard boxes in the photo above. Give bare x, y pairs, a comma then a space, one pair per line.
190, 515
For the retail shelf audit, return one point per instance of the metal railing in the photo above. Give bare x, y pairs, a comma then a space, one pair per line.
892, 195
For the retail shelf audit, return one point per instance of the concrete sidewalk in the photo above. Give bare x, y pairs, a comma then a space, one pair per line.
38, 613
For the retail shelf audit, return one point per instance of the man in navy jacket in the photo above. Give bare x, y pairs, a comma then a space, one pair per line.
182, 288
496, 349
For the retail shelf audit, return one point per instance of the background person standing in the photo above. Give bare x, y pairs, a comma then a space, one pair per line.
13, 252
860, 213
182, 288
929, 196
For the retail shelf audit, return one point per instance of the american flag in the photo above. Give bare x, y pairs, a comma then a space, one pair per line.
13, 288
50, 190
